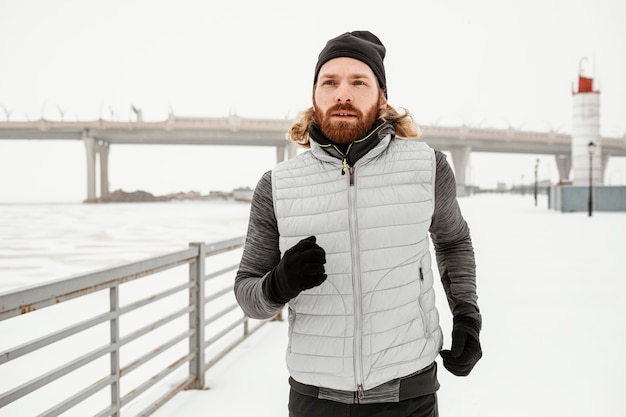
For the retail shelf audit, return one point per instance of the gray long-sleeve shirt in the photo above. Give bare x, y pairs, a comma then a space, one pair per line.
449, 232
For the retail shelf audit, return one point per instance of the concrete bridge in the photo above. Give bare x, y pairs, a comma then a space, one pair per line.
460, 141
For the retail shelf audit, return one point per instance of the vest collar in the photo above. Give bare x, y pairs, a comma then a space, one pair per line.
354, 151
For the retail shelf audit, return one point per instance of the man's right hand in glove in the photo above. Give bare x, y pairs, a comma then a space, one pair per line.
301, 268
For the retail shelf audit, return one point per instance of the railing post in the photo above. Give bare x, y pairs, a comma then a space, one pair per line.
114, 305
196, 317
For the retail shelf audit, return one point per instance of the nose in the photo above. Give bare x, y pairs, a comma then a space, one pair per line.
343, 95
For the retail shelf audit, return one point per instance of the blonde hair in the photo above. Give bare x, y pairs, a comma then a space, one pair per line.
403, 124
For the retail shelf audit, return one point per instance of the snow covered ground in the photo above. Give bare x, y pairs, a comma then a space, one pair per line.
552, 290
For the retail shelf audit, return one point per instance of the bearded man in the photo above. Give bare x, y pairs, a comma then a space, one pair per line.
340, 235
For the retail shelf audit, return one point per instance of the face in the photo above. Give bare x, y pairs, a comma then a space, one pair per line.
346, 99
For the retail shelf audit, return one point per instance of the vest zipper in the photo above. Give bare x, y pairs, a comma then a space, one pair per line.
345, 162
419, 304
357, 292
360, 394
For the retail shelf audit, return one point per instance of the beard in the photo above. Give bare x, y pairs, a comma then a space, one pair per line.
342, 132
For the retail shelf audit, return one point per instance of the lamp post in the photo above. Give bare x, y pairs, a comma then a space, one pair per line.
591, 147
536, 181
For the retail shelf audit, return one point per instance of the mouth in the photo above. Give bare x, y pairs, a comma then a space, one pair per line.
344, 115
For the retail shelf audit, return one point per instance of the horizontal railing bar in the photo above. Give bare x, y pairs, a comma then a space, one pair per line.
21, 301
154, 352
155, 325
221, 272
34, 384
78, 397
43, 341
165, 397
69, 331
154, 379
218, 294
211, 249
224, 332
220, 313
155, 297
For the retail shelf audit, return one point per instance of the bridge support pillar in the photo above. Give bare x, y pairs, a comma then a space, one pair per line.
286, 151
460, 159
103, 151
292, 150
90, 147
280, 153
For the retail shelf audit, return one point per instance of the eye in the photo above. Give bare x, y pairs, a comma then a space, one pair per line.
359, 82
328, 82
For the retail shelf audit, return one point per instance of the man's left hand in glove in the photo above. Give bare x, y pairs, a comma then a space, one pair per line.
465, 350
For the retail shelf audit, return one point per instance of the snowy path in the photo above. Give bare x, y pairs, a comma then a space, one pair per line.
249, 381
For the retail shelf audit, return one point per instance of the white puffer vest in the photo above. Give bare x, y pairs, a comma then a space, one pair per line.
374, 319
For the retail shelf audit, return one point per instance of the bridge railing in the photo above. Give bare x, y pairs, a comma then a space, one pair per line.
123, 340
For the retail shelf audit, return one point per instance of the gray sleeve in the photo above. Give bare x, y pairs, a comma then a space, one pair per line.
453, 245
261, 254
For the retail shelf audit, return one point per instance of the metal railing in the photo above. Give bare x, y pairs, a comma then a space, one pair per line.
151, 313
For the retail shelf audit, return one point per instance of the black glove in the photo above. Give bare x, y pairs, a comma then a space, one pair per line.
301, 268
465, 351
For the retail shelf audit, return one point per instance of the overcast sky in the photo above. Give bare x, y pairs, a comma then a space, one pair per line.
488, 63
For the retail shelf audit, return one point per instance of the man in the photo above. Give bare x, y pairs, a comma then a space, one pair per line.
340, 234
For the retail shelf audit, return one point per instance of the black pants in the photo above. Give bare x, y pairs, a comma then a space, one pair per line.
305, 406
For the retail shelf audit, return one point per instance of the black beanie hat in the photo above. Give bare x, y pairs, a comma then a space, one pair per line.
361, 45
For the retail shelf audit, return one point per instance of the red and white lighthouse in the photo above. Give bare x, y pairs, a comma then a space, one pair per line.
586, 143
